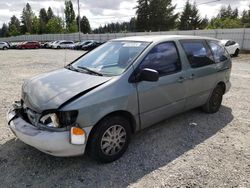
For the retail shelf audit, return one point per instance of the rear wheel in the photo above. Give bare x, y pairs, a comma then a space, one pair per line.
236, 53
214, 102
110, 139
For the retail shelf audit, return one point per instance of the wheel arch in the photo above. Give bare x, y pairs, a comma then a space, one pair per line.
222, 85
121, 113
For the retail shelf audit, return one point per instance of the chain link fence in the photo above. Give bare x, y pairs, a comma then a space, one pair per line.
242, 36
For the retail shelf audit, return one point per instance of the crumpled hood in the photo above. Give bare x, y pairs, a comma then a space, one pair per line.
50, 90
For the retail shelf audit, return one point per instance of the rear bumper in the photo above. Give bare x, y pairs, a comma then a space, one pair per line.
53, 143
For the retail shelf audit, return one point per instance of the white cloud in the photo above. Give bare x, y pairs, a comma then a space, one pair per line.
100, 12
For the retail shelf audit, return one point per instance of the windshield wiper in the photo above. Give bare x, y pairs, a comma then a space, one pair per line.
70, 67
90, 71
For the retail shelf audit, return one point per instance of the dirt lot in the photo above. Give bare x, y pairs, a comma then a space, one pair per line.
174, 153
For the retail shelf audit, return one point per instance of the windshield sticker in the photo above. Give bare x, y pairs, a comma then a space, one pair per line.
131, 44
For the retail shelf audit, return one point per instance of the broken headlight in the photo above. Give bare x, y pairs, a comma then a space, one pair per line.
59, 119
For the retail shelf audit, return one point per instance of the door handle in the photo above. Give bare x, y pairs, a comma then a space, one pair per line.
181, 79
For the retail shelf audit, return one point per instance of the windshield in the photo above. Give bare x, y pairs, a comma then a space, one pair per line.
111, 58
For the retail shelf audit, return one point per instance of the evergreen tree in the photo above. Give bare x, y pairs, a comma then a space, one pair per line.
190, 18
132, 24
142, 12
43, 20
70, 17
245, 19
14, 26
50, 14
161, 15
227, 12
84, 25
185, 19
26, 19
4, 31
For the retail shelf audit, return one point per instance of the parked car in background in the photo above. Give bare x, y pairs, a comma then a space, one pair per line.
91, 45
52, 43
29, 45
4, 45
63, 45
121, 87
45, 45
81, 44
232, 47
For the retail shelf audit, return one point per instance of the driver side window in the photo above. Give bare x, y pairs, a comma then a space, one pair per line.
163, 58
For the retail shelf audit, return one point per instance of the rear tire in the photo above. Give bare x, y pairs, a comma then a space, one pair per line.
214, 102
109, 139
236, 53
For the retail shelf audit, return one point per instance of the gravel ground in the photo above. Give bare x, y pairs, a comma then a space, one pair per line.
192, 149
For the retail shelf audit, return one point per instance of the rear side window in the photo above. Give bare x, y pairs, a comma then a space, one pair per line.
197, 53
163, 58
219, 52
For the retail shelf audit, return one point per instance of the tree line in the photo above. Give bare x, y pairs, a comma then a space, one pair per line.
45, 22
151, 15
159, 15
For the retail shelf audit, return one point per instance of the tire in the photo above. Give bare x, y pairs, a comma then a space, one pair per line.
58, 47
104, 144
214, 102
5, 48
236, 53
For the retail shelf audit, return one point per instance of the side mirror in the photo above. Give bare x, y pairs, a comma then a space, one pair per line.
149, 75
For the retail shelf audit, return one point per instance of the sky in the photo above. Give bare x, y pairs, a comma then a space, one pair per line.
100, 12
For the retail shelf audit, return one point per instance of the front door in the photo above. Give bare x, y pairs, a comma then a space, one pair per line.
161, 99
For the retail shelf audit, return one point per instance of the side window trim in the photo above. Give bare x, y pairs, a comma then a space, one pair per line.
178, 54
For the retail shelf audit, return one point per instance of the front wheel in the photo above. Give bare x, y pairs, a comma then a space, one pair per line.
214, 102
110, 139
236, 53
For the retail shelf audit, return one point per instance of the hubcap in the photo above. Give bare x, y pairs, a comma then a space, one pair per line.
113, 140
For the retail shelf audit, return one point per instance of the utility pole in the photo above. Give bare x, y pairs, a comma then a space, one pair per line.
79, 20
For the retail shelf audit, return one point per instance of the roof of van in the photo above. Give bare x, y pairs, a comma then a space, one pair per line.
158, 38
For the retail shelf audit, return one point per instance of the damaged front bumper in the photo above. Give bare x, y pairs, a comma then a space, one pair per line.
50, 142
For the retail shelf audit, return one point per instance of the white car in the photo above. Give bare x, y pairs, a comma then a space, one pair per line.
232, 47
63, 44
4, 45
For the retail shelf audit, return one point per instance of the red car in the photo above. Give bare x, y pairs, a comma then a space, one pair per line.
29, 45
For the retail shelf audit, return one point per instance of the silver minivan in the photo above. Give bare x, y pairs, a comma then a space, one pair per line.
96, 102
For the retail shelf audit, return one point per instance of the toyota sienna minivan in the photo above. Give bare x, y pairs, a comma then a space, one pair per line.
95, 103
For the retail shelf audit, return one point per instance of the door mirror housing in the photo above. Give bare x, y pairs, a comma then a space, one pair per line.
149, 75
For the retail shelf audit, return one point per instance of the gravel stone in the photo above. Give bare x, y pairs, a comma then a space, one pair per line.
212, 152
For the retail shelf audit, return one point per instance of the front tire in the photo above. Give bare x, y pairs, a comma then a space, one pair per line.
236, 53
110, 139
214, 102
